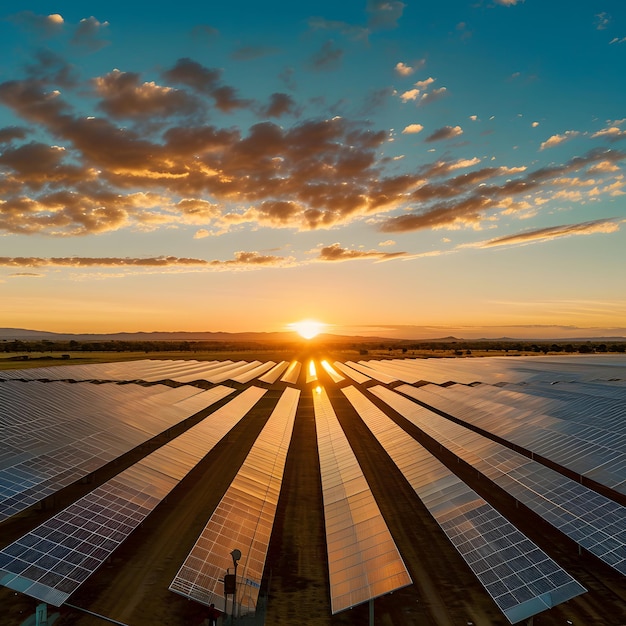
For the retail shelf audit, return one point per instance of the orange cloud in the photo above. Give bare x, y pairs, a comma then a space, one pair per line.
335, 252
554, 232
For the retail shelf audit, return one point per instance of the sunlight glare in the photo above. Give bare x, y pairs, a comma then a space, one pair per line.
308, 328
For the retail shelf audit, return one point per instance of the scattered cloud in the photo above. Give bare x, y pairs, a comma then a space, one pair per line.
404, 70
327, 58
240, 260
384, 14
602, 20
554, 232
464, 200
335, 252
612, 133
412, 129
535, 124
508, 3
446, 132
618, 40
555, 140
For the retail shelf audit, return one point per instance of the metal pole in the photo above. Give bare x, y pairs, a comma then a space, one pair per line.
371, 611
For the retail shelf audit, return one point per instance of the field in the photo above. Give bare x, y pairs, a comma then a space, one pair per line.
133, 587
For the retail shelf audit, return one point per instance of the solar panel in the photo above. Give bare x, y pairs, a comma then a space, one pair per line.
521, 578
292, 373
274, 373
56, 433
52, 561
595, 522
351, 373
363, 560
561, 426
243, 519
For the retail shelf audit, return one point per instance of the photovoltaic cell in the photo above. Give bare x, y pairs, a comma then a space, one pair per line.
363, 560
559, 424
521, 578
52, 434
52, 561
243, 519
595, 522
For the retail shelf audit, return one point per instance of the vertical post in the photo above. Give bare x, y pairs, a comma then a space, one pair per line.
371, 611
41, 614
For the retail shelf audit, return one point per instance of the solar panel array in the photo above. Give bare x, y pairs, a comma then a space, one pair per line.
504, 370
52, 561
595, 522
521, 578
363, 560
557, 422
243, 519
52, 434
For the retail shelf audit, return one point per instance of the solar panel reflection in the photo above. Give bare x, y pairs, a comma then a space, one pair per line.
521, 578
595, 522
56, 433
243, 519
363, 560
52, 561
567, 425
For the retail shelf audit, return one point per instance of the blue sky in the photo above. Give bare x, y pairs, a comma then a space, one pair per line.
398, 168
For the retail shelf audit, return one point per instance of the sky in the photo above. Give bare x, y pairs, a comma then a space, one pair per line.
400, 169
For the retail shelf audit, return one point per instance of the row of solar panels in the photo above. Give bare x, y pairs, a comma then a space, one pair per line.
579, 426
50, 562
350, 596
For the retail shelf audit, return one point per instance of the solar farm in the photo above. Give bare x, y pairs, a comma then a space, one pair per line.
484, 491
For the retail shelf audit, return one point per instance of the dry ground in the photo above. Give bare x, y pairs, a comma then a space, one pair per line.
133, 588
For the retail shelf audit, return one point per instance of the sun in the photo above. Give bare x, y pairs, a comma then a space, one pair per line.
308, 328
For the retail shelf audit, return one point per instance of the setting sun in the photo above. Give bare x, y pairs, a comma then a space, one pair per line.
308, 328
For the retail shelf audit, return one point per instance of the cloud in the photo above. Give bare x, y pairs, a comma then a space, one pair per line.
41, 25
279, 104
88, 34
411, 129
465, 199
508, 3
612, 133
404, 70
432, 96
240, 260
618, 40
206, 81
327, 58
610, 225
602, 20
388, 242
26, 275
446, 132
335, 252
555, 140
124, 95
384, 14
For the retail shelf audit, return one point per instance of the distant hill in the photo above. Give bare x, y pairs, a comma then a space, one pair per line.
22, 334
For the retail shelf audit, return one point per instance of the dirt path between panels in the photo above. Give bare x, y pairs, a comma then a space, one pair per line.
133, 587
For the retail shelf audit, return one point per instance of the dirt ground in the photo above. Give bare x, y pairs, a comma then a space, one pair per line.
133, 588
